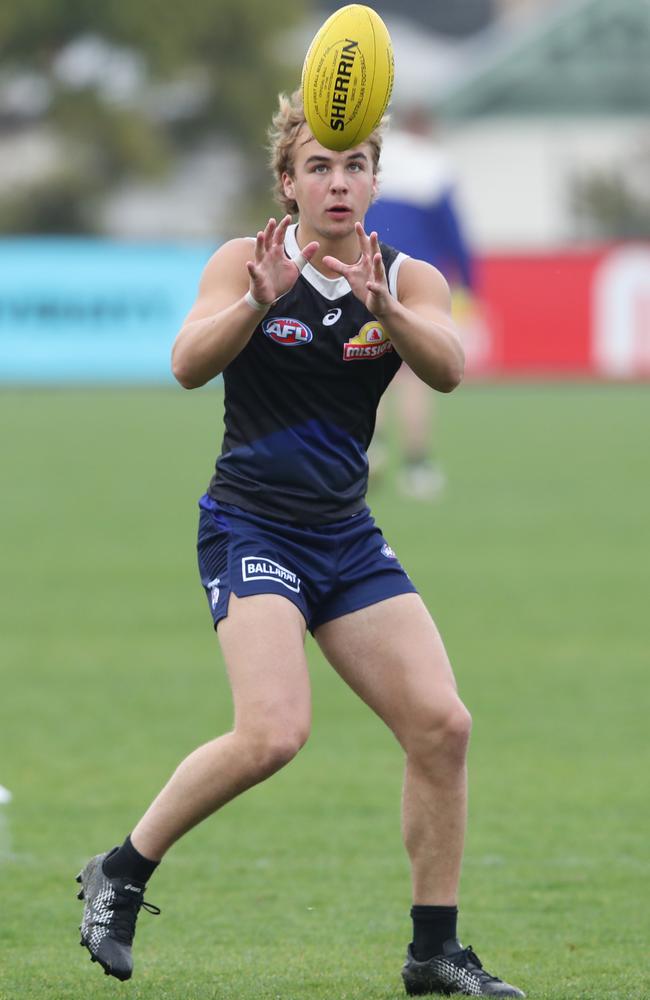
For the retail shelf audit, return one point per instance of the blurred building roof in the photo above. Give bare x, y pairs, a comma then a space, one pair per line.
578, 57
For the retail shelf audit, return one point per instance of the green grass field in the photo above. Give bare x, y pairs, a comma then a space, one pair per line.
535, 565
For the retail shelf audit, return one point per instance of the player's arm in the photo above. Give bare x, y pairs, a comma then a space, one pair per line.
240, 283
418, 321
420, 326
220, 323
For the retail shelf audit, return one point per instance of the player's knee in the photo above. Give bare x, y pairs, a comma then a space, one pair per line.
441, 734
277, 745
458, 728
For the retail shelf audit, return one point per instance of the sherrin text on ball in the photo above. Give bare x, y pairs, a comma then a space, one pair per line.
347, 77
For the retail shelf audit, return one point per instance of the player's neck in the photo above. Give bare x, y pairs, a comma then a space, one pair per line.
344, 248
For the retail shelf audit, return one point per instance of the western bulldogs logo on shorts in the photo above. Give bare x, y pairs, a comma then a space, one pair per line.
213, 587
258, 568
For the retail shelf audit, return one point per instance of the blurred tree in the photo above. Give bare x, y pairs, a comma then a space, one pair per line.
63, 204
133, 84
607, 206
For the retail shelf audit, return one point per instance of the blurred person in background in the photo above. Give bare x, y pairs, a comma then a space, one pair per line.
416, 211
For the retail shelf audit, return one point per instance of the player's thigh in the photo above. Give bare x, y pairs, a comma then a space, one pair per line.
392, 655
263, 644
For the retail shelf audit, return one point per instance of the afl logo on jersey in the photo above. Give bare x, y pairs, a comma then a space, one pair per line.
288, 332
372, 341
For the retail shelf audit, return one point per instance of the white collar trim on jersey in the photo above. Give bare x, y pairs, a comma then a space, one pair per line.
334, 288
330, 288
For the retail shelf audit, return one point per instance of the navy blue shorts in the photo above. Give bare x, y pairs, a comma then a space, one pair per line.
326, 571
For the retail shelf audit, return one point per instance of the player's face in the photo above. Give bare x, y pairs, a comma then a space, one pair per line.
333, 190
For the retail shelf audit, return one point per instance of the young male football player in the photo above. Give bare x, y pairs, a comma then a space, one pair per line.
309, 322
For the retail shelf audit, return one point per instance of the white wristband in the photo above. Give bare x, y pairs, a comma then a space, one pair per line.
250, 300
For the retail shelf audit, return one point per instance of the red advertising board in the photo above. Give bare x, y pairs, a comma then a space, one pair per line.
584, 313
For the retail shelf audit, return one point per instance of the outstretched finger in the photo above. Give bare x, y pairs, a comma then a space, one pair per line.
364, 241
305, 255
281, 229
335, 265
378, 269
259, 247
309, 251
268, 233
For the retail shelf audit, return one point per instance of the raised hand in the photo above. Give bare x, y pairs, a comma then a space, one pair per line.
272, 273
367, 277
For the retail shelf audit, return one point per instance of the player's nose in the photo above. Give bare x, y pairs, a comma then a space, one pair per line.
338, 181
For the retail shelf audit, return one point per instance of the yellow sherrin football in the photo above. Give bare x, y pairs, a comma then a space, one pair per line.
347, 77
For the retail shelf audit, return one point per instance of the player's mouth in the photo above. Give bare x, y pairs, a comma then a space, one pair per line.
339, 212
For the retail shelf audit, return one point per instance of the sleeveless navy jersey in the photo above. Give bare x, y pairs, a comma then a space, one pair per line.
301, 400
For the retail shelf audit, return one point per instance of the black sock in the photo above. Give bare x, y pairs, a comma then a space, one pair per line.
126, 862
432, 926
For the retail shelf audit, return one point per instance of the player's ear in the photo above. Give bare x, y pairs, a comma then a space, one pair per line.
288, 186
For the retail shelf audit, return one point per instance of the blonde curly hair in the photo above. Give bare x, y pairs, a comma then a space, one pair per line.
286, 124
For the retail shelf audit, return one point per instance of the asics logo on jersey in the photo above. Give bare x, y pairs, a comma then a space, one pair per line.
287, 332
259, 568
372, 341
330, 318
